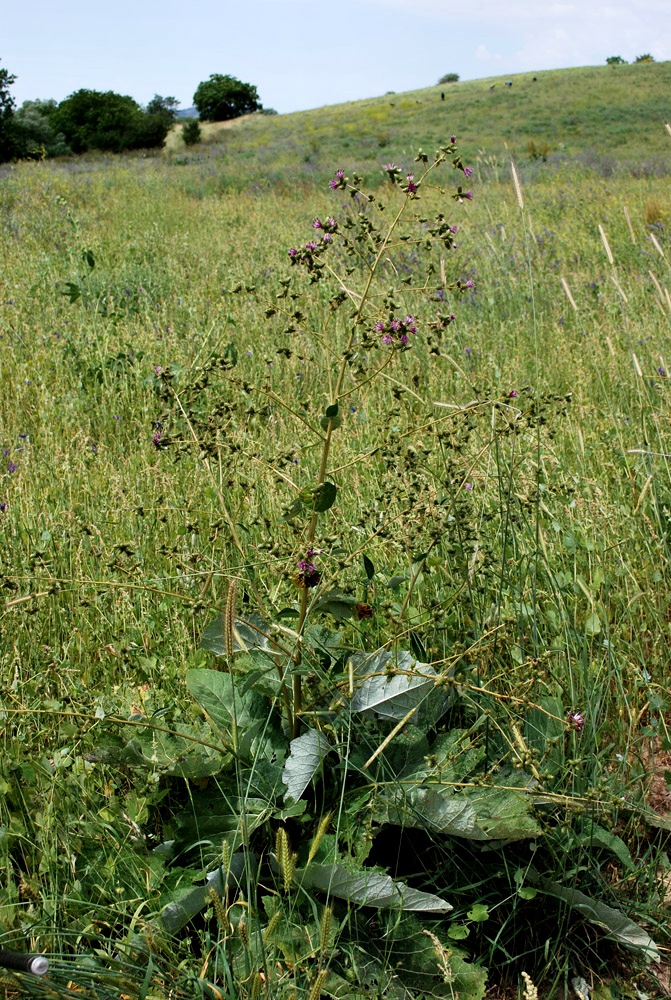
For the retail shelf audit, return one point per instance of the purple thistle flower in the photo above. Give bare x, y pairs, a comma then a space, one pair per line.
157, 439
403, 339
387, 339
3, 508
379, 326
577, 721
293, 252
327, 238
11, 467
468, 171
334, 185
513, 394
317, 224
411, 186
391, 167
469, 284
453, 139
468, 195
311, 245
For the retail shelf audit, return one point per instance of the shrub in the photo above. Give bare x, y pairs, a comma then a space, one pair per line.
191, 133
616, 61
34, 121
449, 78
109, 122
646, 58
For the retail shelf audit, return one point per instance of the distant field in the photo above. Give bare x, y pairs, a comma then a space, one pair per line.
596, 116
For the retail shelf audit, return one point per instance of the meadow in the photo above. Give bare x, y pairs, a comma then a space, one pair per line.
335, 582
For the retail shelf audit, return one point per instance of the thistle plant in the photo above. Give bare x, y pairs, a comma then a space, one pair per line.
353, 258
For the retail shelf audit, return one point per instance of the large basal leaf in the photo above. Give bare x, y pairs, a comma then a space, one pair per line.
188, 903
217, 694
369, 888
305, 757
617, 926
248, 634
394, 684
473, 813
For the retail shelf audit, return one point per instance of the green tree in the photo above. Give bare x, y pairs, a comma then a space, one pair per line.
164, 107
35, 125
9, 146
646, 58
616, 61
223, 97
90, 119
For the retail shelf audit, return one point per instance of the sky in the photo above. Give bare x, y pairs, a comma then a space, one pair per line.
303, 54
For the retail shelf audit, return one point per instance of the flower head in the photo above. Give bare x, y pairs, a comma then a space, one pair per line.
576, 720
468, 171
308, 575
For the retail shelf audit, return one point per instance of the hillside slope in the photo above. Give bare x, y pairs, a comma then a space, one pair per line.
615, 112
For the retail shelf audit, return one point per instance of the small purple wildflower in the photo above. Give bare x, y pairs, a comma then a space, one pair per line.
577, 721
453, 139
311, 245
3, 508
292, 252
411, 187
11, 467
468, 486
308, 575
661, 371
387, 339
327, 238
513, 394
468, 171
468, 195
158, 369
469, 284
317, 224
156, 440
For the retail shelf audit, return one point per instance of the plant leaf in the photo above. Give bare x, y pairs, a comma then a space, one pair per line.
369, 888
397, 683
617, 926
306, 754
248, 634
472, 813
324, 496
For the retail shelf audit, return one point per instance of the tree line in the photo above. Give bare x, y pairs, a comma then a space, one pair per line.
107, 121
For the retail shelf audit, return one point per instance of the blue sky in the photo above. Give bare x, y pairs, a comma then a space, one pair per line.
307, 53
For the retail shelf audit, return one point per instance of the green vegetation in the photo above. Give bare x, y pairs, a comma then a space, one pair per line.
336, 557
223, 97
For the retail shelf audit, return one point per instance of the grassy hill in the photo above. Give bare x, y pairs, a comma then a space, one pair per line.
600, 116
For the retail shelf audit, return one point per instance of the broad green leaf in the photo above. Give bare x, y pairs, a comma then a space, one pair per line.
369, 888
394, 684
241, 716
617, 926
526, 892
305, 757
339, 605
458, 932
473, 813
249, 633
324, 496
592, 624
188, 903
596, 836
369, 568
478, 913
